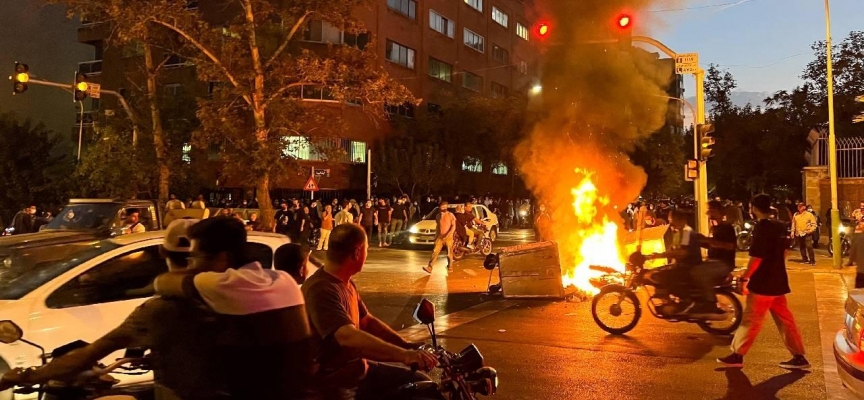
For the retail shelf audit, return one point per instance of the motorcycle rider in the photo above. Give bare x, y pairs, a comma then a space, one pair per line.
686, 252
473, 224
354, 347
464, 220
720, 263
181, 369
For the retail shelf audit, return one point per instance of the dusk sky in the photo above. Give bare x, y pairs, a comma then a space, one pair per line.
764, 43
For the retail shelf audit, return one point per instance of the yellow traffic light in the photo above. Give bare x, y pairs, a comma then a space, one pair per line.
22, 77
81, 86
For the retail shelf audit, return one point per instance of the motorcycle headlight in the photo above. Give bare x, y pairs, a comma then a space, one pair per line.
484, 381
523, 213
747, 225
414, 229
842, 229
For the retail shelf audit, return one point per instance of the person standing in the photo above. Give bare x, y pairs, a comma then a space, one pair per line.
367, 219
543, 225
399, 217
174, 204
344, 216
23, 221
446, 223
199, 203
766, 285
383, 213
803, 225
326, 228
283, 219
306, 225
856, 255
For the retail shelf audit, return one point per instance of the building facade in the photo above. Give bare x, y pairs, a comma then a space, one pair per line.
432, 47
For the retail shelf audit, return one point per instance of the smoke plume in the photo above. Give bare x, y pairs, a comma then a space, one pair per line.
597, 101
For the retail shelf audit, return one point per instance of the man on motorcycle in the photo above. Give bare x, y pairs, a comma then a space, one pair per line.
465, 225
472, 225
720, 263
686, 252
354, 347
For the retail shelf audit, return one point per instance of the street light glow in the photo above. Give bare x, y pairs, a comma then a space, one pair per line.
536, 89
22, 77
624, 21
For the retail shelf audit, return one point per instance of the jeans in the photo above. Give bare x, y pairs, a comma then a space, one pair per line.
441, 242
368, 230
805, 243
706, 276
380, 383
383, 232
397, 226
754, 317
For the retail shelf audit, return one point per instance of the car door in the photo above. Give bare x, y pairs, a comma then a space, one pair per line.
95, 298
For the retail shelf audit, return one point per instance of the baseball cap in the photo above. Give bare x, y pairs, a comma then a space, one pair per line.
177, 235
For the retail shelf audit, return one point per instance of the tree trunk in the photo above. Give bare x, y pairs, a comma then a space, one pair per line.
158, 133
265, 204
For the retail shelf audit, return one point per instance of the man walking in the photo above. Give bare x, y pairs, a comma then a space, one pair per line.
767, 284
803, 225
446, 229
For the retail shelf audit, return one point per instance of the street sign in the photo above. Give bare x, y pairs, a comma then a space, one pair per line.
322, 172
310, 185
94, 90
691, 170
686, 63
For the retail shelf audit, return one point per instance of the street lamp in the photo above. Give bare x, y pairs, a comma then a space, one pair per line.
536, 89
837, 258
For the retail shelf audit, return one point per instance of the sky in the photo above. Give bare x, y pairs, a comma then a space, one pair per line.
765, 44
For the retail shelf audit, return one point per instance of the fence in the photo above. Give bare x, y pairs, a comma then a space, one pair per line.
850, 155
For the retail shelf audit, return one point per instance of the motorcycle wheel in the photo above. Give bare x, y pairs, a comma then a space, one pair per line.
616, 310
486, 247
744, 241
734, 311
493, 234
458, 254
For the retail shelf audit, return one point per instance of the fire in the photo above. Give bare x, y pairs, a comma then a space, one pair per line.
594, 235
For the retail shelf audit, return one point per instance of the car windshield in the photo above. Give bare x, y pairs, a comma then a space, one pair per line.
21, 273
85, 217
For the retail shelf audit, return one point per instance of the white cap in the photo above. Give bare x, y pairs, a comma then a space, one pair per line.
177, 235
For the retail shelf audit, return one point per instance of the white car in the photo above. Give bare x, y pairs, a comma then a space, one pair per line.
83, 290
423, 232
849, 344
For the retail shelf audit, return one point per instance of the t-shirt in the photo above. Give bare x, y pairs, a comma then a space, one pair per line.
283, 218
689, 241
327, 222
383, 214
368, 216
723, 233
769, 244
463, 220
399, 211
332, 304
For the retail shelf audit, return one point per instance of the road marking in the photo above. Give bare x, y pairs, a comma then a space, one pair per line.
830, 305
418, 332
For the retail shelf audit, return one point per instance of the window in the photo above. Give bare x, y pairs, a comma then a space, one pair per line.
433, 108
358, 40
500, 54
522, 31
472, 82
405, 7
296, 147
133, 49
125, 277
400, 54
322, 32
499, 169
174, 61
472, 165
440, 70
498, 90
187, 149
475, 4
358, 152
441, 24
521, 66
404, 110
499, 16
473, 40
316, 92
173, 89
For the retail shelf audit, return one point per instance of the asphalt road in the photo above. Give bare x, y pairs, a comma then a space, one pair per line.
553, 350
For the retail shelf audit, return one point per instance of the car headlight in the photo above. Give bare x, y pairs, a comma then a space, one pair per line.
842, 229
523, 213
414, 229
747, 225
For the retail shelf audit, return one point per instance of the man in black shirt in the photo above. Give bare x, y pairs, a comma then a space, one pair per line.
767, 284
721, 261
283, 219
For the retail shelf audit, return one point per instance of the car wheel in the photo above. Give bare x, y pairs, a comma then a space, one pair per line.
493, 234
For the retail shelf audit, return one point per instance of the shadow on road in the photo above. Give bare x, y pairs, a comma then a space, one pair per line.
740, 386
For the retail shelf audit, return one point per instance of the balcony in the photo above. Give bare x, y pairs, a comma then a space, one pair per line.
90, 68
92, 32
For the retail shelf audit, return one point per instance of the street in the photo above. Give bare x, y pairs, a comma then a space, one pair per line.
548, 350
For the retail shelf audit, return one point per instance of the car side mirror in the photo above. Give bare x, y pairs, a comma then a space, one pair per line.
425, 312
10, 332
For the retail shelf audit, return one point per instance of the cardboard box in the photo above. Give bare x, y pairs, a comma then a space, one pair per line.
531, 271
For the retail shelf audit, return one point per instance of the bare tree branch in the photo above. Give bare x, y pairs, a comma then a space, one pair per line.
287, 39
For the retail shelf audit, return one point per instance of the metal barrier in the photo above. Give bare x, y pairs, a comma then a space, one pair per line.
850, 155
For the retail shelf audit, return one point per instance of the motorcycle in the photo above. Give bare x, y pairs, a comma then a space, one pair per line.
745, 238
464, 375
843, 232
95, 383
616, 309
482, 245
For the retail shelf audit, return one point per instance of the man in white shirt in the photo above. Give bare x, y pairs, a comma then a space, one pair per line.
803, 226
133, 223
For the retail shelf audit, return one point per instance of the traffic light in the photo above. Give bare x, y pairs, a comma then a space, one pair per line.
706, 140
691, 170
20, 78
542, 30
624, 30
81, 86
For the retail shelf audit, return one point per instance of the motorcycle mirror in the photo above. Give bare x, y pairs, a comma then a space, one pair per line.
425, 312
10, 332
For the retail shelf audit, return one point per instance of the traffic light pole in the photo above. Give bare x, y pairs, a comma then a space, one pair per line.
832, 146
119, 97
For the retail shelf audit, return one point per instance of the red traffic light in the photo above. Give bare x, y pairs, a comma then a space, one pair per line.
542, 30
624, 21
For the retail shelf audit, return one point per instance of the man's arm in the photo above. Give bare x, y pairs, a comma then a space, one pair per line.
379, 329
368, 346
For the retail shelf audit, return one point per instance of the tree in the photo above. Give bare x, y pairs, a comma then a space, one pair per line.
35, 169
113, 168
409, 165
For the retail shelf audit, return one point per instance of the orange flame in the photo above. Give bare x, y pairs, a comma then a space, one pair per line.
594, 235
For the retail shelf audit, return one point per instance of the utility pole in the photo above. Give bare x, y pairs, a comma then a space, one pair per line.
368, 174
832, 146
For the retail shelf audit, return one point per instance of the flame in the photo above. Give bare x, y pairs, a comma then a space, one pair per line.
594, 235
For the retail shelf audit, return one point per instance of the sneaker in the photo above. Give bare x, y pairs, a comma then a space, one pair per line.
428, 269
813, 263
733, 360
797, 362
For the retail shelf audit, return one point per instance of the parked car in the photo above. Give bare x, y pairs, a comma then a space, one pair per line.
82, 290
423, 232
849, 344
